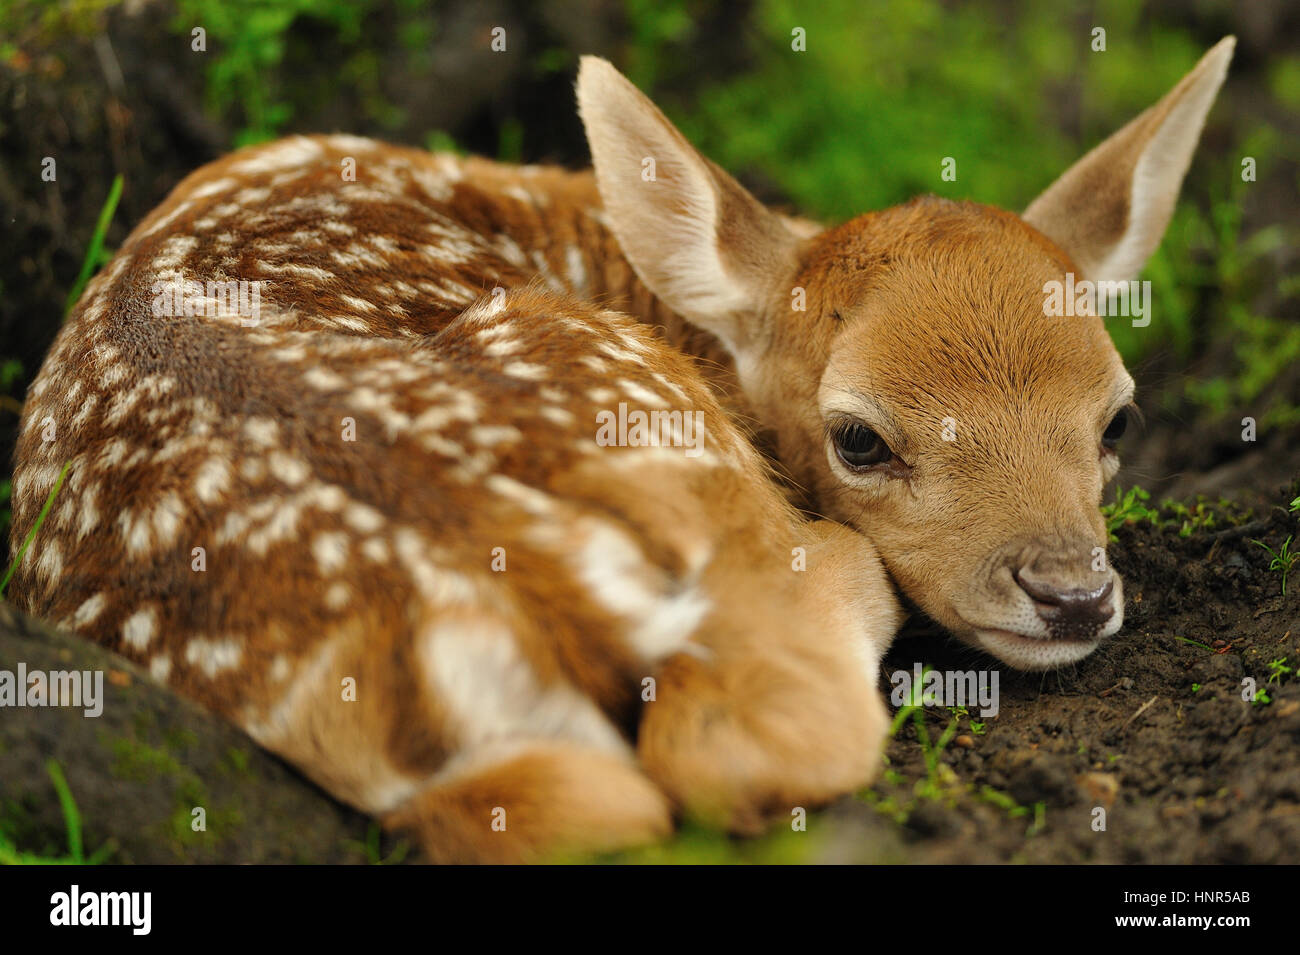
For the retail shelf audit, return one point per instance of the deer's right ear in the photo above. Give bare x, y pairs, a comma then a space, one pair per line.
706, 247
1110, 209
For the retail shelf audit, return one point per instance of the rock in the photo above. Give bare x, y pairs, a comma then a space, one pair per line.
139, 769
1099, 789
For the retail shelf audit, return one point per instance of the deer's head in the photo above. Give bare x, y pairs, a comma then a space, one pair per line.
909, 362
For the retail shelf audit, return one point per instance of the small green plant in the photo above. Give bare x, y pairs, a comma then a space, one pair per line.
1016, 811
1277, 670
373, 851
1283, 558
1196, 688
1129, 508
1198, 515
930, 751
977, 727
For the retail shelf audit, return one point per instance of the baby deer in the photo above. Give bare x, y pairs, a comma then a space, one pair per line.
355, 461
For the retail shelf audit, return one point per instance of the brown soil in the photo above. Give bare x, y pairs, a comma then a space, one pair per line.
1152, 728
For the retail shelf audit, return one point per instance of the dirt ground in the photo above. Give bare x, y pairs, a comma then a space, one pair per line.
1152, 728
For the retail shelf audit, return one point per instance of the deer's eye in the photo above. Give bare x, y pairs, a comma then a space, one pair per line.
1115, 430
859, 447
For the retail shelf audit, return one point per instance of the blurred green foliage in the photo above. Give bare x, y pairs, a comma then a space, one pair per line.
859, 120
887, 89
865, 115
247, 40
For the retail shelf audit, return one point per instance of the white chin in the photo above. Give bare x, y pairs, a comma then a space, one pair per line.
1033, 653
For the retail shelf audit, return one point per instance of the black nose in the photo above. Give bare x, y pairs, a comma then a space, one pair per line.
1069, 611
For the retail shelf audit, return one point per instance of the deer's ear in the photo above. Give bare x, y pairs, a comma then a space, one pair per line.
1110, 209
706, 247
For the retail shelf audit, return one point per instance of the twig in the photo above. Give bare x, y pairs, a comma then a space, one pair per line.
1141, 709
1241, 530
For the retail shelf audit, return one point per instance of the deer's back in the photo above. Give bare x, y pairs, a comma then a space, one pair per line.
391, 476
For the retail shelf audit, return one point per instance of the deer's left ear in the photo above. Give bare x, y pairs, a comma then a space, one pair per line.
1110, 209
701, 243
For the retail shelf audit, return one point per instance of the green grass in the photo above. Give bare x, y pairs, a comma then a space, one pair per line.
96, 254
373, 850
1129, 507
10, 854
1283, 559
31, 534
1185, 517
885, 91
247, 44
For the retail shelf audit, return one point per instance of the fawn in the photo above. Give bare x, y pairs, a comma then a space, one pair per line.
366, 510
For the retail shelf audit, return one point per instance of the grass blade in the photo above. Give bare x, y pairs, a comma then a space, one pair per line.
31, 534
91, 261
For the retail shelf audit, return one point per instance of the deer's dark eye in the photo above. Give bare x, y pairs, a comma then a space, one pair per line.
859, 447
1115, 430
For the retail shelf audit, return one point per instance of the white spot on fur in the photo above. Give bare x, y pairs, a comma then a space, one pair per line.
557, 415
285, 154
212, 481
213, 656
280, 668
292, 471
490, 435
505, 346
576, 268
88, 612
661, 619
338, 595
375, 549
160, 667
491, 692
440, 585
140, 628
324, 380
363, 518
264, 432
213, 187
330, 551
527, 371
530, 499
